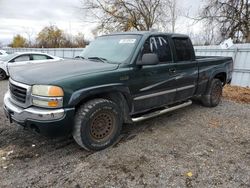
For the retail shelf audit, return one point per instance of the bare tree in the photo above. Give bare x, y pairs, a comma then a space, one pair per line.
173, 11
169, 13
230, 16
124, 15
30, 34
79, 40
211, 34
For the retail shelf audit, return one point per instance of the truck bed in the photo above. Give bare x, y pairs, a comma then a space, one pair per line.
211, 58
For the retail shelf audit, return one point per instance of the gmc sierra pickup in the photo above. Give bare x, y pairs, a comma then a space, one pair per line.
120, 78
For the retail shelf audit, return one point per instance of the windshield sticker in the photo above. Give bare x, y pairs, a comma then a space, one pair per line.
127, 41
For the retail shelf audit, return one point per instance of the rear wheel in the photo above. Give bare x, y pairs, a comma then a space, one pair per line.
213, 95
2, 74
97, 124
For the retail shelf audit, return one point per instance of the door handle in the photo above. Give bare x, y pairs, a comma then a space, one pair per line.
172, 70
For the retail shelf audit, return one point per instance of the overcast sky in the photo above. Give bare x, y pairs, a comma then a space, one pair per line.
30, 16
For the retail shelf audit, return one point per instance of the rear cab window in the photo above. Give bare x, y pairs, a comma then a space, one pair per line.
183, 49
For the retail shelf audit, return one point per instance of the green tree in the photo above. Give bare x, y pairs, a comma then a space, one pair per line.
50, 37
18, 42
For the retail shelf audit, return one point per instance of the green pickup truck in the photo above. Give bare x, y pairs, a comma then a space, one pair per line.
119, 78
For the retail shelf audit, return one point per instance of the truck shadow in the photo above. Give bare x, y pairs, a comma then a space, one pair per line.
27, 145
130, 131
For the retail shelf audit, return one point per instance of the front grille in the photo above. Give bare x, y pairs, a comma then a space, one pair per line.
18, 93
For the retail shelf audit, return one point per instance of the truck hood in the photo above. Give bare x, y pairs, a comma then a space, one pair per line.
51, 72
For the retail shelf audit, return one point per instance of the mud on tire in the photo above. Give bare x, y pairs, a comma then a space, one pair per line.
97, 124
214, 93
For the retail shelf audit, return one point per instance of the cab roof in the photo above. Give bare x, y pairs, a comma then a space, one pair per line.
148, 33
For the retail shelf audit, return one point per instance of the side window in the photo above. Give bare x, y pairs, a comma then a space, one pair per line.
39, 57
48, 57
22, 58
160, 46
183, 48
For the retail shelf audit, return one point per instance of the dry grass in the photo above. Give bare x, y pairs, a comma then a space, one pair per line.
238, 94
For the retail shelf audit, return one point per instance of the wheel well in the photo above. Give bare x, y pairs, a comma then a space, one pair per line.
3, 71
6, 76
222, 77
116, 97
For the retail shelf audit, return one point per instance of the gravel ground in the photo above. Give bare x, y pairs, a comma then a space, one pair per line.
191, 147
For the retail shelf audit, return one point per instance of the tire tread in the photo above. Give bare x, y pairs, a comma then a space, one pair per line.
80, 114
206, 99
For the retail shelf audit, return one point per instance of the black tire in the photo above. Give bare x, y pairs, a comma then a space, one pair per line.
213, 94
97, 125
3, 75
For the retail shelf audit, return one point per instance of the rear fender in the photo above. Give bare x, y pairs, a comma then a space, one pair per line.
213, 75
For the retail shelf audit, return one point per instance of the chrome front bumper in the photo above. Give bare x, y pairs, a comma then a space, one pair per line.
20, 115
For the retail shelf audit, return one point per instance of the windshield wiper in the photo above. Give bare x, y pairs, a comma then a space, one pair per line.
79, 57
99, 59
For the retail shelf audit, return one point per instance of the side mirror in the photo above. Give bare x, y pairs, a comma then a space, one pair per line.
149, 59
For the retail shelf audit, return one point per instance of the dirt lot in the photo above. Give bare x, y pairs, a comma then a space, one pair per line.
192, 147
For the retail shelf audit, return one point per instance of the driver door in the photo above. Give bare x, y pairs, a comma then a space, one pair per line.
154, 85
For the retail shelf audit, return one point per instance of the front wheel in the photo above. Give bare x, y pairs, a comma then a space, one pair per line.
213, 95
97, 124
2, 74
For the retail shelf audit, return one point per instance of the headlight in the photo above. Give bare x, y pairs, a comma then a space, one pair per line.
47, 91
47, 96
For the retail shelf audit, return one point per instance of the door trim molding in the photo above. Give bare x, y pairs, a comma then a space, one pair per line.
154, 85
185, 87
163, 92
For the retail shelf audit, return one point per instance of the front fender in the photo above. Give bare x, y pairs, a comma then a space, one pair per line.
82, 94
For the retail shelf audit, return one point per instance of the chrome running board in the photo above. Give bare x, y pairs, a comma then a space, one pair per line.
160, 112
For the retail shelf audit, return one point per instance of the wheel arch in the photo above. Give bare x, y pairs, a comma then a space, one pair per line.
222, 76
119, 95
218, 74
4, 67
5, 74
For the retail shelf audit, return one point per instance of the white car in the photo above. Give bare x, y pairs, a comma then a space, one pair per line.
23, 58
3, 53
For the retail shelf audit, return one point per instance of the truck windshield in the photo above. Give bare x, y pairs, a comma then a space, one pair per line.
113, 49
